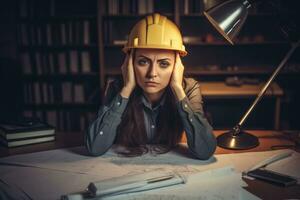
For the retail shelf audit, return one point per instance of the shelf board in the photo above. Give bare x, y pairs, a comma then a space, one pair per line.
220, 43
57, 47
202, 71
264, 70
130, 16
221, 89
236, 44
57, 18
61, 106
192, 15
240, 71
113, 71
60, 77
113, 45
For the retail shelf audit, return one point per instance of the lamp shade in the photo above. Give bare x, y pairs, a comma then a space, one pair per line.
228, 17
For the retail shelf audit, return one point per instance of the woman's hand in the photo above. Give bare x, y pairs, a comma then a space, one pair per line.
177, 78
128, 76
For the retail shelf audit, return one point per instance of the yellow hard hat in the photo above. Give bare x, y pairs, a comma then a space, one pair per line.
155, 32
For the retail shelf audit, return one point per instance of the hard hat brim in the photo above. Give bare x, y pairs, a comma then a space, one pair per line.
181, 52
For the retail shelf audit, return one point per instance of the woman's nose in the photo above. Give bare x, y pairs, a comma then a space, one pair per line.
152, 71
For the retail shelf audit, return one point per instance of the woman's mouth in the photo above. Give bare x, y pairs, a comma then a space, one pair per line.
151, 84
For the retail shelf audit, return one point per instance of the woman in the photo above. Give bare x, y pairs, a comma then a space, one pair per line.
154, 104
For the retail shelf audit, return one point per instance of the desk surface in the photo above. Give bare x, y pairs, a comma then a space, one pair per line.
267, 139
261, 189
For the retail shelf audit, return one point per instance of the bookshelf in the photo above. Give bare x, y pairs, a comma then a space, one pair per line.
69, 49
259, 48
260, 45
58, 51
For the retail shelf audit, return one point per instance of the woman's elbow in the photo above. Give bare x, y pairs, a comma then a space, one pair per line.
94, 151
206, 151
204, 155
93, 148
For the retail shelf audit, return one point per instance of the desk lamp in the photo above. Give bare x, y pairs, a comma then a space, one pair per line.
228, 18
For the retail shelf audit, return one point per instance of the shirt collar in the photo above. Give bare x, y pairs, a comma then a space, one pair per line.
147, 104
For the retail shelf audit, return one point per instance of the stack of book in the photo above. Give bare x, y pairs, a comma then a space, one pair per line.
13, 135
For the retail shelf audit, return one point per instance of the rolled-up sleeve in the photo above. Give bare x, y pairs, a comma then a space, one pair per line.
199, 133
102, 131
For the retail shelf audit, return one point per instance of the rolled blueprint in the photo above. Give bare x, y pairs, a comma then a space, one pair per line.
135, 183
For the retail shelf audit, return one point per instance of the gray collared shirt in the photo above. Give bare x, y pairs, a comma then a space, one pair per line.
150, 116
200, 139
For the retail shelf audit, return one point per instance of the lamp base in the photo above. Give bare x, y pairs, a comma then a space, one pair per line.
239, 141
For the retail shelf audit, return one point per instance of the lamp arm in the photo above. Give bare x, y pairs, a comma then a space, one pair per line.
264, 88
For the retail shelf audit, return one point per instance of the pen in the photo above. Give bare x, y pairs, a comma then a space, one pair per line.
270, 160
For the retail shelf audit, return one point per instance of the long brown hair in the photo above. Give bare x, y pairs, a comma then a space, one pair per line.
132, 135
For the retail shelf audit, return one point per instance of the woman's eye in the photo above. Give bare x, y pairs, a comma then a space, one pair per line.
164, 64
143, 62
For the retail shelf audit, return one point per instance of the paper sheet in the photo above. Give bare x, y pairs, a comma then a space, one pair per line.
77, 160
45, 184
243, 195
70, 160
185, 164
63, 171
218, 184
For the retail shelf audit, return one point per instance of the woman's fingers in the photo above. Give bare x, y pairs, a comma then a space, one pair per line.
125, 63
177, 74
130, 68
124, 67
130, 58
128, 75
178, 64
178, 59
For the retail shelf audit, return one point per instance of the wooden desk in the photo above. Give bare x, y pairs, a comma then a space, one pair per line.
267, 139
261, 189
215, 90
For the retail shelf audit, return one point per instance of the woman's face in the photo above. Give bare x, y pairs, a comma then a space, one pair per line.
153, 69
